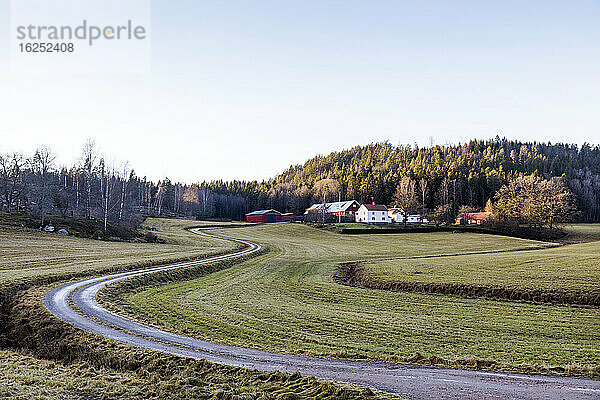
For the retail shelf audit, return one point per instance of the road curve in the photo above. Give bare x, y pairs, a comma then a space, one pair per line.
76, 304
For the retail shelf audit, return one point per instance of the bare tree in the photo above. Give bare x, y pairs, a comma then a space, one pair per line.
442, 196
43, 164
124, 182
535, 201
75, 175
206, 199
424, 190
148, 195
107, 186
558, 202
160, 195
178, 190
191, 199
405, 196
326, 189
441, 214
88, 163
12, 184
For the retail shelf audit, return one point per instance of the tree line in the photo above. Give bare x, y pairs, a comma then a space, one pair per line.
462, 175
441, 181
94, 187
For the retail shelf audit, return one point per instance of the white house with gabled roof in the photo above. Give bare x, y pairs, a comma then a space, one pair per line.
373, 214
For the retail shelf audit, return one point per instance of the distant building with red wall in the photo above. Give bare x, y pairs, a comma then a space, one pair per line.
473, 218
268, 216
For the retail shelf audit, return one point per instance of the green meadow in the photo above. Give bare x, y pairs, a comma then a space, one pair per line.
286, 300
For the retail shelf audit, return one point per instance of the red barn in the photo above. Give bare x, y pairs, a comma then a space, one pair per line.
266, 216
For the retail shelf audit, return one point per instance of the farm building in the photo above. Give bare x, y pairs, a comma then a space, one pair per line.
373, 214
339, 209
415, 219
398, 215
473, 218
266, 216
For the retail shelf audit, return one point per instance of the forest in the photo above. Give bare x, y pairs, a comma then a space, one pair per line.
453, 177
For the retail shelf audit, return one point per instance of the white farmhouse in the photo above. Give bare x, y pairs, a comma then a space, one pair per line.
373, 214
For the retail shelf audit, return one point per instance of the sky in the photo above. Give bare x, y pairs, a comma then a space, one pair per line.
244, 89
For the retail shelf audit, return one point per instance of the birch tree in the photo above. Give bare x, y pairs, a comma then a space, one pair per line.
124, 182
43, 165
107, 185
424, 190
88, 163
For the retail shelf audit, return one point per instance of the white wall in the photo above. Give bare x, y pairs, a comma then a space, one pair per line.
372, 217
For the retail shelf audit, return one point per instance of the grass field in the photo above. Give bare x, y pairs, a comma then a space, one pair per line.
287, 301
573, 267
72, 364
29, 254
570, 267
582, 233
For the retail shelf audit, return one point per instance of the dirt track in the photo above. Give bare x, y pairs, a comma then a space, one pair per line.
416, 382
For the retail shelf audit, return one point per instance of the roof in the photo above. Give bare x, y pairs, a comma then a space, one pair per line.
338, 206
396, 210
477, 215
261, 212
375, 207
315, 206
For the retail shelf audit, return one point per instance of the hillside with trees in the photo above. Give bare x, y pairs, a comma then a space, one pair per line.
439, 180
469, 174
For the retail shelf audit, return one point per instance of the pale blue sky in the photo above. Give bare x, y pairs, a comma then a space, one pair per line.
244, 89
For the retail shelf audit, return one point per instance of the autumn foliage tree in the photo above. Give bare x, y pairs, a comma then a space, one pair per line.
405, 196
535, 201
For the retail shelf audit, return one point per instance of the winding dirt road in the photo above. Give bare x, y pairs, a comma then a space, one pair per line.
76, 304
